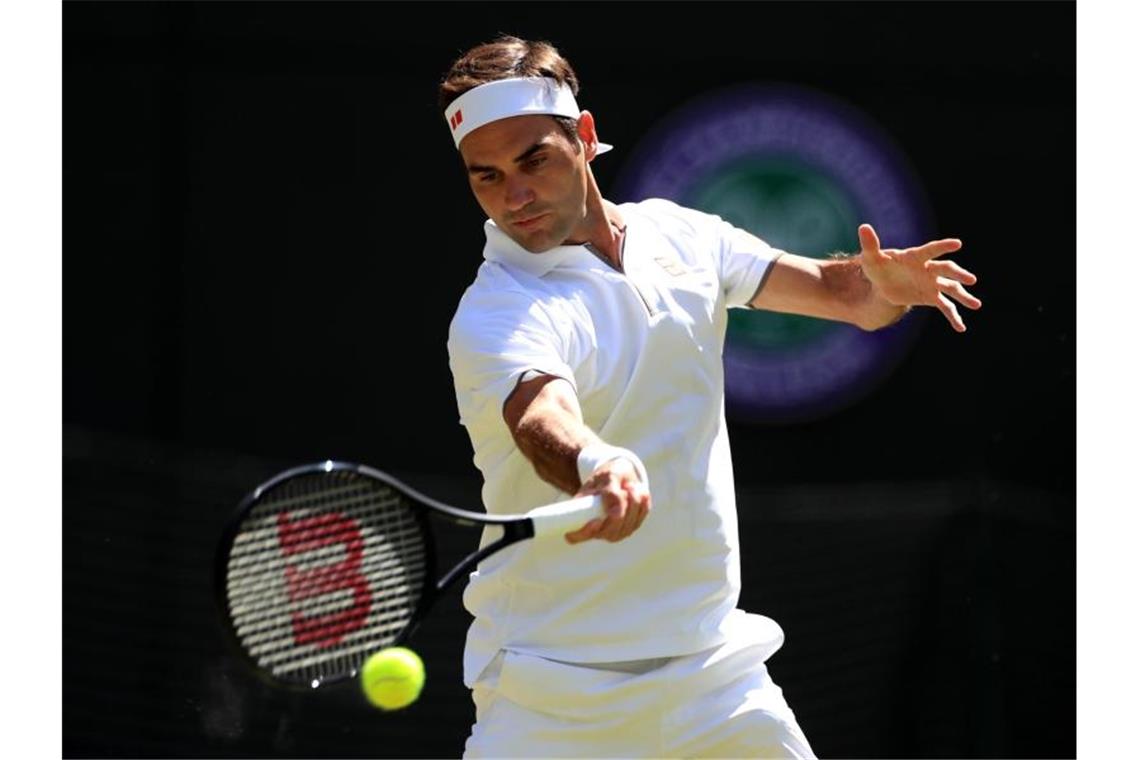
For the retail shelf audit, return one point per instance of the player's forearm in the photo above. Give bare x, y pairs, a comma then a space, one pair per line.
835, 288
551, 437
546, 423
843, 277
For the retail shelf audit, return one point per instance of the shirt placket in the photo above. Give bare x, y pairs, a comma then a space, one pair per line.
646, 296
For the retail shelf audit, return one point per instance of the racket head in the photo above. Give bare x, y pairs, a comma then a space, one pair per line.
321, 566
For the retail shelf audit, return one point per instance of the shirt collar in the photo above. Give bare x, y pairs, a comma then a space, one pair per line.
502, 249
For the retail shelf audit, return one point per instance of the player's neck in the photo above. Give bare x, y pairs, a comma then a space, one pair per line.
603, 228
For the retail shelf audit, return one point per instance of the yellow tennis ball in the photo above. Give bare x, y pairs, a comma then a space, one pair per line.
392, 678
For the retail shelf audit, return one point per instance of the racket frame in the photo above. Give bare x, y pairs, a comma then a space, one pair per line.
515, 528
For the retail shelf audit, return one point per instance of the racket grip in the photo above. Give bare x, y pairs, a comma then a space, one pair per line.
565, 516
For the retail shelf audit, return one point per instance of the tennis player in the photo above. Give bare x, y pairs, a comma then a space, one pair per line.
587, 359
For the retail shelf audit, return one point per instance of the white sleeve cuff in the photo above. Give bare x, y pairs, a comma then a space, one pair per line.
595, 455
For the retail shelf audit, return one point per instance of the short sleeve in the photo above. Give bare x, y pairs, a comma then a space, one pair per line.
745, 262
494, 339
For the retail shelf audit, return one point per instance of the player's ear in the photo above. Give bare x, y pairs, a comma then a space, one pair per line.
588, 134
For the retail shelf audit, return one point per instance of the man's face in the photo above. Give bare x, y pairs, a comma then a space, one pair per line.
528, 178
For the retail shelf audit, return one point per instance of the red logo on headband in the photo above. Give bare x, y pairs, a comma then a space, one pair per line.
456, 119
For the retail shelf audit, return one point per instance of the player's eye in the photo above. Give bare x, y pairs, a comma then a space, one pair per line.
536, 162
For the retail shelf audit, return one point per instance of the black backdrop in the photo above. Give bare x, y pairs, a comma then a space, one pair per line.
267, 230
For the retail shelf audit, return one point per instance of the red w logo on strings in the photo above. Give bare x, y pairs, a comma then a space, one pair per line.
310, 533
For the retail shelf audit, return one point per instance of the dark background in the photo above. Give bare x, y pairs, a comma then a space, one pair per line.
267, 230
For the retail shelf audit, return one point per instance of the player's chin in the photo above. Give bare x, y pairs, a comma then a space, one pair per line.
536, 243
544, 235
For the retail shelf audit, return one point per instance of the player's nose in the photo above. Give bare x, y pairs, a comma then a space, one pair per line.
519, 194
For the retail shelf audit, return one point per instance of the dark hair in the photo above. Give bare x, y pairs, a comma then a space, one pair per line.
509, 58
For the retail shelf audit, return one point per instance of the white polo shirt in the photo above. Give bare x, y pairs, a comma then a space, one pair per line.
642, 349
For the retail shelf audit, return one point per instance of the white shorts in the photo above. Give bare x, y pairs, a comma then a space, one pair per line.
716, 703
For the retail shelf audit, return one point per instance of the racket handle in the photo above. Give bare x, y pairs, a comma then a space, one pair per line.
565, 516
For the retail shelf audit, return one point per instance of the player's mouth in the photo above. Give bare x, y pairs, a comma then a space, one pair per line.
529, 222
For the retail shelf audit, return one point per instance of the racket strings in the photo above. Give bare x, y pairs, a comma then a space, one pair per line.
262, 524
261, 547
381, 562
266, 615
326, 569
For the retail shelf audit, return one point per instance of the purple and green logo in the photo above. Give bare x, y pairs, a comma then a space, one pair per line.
800, 170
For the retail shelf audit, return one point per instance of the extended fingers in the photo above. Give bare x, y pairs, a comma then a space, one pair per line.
960, 294
869, 242
937, 248
946, 306
952, 271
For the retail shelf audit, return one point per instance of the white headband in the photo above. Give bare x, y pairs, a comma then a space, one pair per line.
504, 98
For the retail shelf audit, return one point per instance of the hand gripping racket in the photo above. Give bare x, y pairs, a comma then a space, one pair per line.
326, 563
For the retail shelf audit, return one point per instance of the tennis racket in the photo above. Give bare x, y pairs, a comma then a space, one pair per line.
325, 564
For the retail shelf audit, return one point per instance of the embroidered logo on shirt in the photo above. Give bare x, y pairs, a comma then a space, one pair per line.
671, 265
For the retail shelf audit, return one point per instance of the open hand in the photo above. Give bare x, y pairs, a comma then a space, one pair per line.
912, 276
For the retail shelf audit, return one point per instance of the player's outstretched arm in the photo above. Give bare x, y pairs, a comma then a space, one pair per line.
871, 290
546, 423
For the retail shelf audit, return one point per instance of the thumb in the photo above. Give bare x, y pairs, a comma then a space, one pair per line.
869, 242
